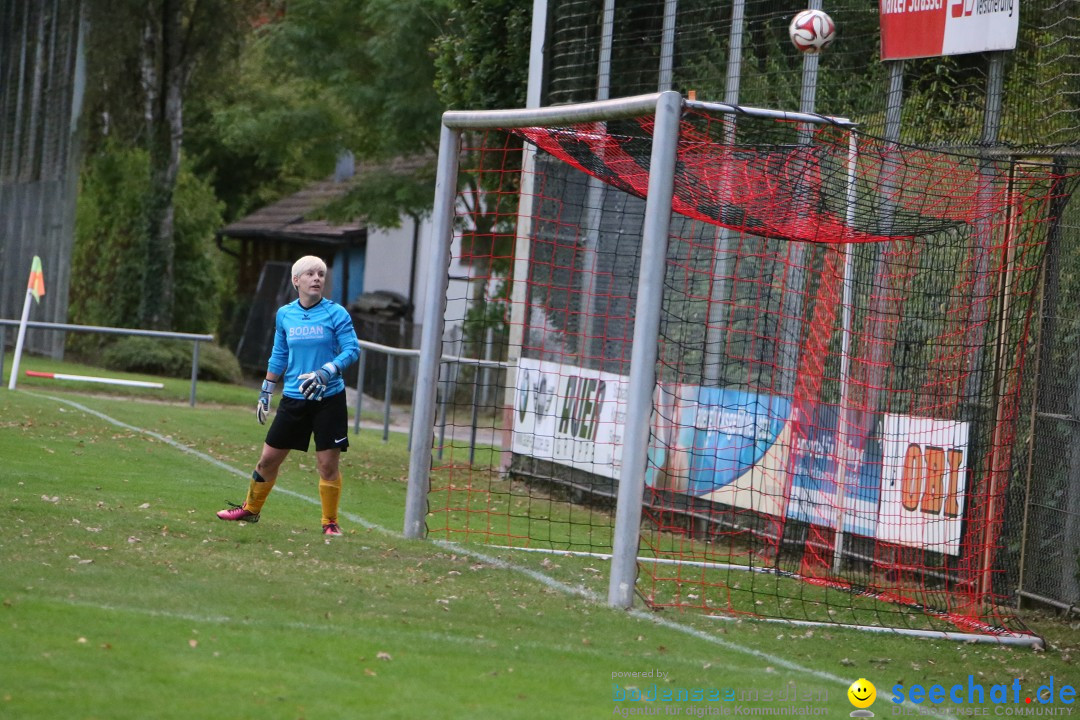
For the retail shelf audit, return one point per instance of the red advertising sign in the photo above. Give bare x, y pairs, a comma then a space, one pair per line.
930, 28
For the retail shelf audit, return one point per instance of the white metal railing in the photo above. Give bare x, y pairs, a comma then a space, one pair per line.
393, 352
193, 337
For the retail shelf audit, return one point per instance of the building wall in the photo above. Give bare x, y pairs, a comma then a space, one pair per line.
389, 257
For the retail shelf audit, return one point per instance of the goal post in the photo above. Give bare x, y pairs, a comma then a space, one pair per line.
643, 350
774, 369
454, 123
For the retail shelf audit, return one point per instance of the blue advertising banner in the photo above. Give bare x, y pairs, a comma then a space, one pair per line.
814, 475
724, 445
743, 448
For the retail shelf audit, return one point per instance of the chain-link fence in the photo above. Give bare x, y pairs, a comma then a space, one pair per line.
41, 85
1023, 105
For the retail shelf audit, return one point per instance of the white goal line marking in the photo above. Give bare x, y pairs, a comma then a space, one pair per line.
545, 580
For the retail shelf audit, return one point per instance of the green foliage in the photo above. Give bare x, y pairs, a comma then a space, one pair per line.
171, 358
381, 195
476, 67
110, 236
115, 102
331, 76
266, 134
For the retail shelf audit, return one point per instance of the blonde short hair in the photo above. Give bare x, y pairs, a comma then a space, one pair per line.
308, 262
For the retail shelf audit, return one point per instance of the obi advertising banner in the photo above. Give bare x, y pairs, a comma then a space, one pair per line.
924, 482
931, 28
570, 415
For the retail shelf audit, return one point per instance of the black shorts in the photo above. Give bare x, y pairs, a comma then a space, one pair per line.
296, 421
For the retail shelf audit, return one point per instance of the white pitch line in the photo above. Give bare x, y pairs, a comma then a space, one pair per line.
545, 580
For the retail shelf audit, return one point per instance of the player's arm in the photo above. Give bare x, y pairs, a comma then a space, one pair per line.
314, 384
275, 367
262, 408
349, 346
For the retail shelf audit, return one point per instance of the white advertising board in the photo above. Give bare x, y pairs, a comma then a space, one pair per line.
570, 415
923, 482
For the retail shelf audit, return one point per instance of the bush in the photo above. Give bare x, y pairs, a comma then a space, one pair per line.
171, 358
109, 254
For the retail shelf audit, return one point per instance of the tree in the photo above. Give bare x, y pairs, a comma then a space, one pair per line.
143, 55
110, 224
482, 63
335, 76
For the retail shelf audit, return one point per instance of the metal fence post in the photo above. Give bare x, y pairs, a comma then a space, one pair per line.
359, 390
386, 397
194, 371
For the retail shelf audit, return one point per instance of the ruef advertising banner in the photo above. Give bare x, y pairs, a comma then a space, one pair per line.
932, 28
570, 415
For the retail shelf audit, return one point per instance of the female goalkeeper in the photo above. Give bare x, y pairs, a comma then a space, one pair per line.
314, 341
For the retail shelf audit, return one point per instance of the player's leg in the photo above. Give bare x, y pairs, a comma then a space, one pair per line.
331, 430
328, 463
262, 482
291, 430
264, 477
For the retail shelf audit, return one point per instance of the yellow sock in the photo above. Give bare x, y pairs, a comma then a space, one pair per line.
258, 489
330, 495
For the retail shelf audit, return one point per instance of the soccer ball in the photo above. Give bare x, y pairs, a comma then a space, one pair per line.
812, 31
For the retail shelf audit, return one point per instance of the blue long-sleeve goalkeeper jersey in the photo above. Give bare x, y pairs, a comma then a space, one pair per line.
305, 339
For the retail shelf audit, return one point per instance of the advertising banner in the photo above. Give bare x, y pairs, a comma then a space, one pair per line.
570, 415
724, 445
932, 28
815, 458
924, 481
904, 482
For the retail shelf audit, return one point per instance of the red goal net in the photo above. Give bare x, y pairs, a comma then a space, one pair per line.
839, 390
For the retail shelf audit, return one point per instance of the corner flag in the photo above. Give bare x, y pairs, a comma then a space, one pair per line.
34, 288
36, 285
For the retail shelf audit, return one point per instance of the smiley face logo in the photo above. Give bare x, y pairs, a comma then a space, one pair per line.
862, 693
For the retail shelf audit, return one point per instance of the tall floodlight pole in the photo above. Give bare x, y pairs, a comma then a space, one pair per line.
794, 280
644, 352
519, 289
720, 289
976, 328
842, 439
667, 46
594, 197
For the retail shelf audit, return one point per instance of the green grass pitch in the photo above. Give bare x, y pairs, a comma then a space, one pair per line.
123, 596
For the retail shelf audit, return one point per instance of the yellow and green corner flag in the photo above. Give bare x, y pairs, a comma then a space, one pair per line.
36, 285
